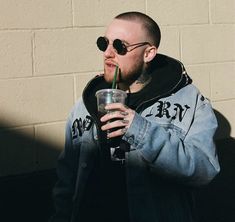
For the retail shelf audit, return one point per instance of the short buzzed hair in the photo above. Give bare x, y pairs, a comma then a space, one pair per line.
151, 27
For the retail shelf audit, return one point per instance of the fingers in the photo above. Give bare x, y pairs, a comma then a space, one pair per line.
116, 133
117, 120
115, 124
115, 110
116, 106
113, 115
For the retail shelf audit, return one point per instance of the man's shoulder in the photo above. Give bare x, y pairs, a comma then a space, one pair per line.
78, 107
192, 93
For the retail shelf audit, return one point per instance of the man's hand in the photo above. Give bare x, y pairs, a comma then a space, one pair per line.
118, 116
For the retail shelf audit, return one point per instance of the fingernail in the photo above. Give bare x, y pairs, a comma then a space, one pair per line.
124, 113
125, 121
124, 130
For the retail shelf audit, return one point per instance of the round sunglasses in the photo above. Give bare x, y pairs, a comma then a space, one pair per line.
118, 45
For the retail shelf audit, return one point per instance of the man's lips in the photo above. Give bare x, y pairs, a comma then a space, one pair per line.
110, 64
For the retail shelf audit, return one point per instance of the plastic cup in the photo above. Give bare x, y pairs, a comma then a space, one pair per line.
104, 97
107, 96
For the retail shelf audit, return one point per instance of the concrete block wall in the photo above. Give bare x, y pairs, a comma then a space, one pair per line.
48, 53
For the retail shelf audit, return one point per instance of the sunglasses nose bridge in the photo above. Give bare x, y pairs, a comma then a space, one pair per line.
110, 50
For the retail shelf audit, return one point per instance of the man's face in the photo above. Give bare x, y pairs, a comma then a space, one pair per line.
131, 64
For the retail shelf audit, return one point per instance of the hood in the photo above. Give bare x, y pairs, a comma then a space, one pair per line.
168, 76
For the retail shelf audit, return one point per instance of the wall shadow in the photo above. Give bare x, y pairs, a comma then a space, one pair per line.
25, 197
215, 202
28, 197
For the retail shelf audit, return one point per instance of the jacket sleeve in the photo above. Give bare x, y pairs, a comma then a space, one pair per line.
191, 159
66, 171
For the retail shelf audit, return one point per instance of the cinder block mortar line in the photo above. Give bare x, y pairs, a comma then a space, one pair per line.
180, 43
52, 75
72, 13
33, 125
101, 26
34, 29
222, 100
49, 123
201, 25
146, 6
209, 11
33, 45
209, 63
74, 89
51, 28
210, 86
48, 75
9, 128
212, 63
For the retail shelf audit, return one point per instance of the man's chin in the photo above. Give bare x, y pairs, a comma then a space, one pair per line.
108, 78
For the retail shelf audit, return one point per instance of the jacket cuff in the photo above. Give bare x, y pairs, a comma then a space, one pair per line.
137, 132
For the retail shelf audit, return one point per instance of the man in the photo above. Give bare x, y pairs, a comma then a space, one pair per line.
164, 132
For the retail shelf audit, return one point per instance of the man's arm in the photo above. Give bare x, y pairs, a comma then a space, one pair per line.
192, 159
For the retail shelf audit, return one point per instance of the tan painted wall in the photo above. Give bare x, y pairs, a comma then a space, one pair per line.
48, 53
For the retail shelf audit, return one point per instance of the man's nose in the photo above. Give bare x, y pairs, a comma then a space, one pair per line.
110, 51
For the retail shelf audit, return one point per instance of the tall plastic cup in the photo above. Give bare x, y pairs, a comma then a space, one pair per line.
107, 96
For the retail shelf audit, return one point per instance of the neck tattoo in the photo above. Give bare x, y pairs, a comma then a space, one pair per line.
143, 80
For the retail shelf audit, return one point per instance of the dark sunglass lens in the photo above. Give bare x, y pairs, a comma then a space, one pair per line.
102, 43
119, 46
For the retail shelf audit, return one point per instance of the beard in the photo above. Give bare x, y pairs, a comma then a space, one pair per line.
126, 76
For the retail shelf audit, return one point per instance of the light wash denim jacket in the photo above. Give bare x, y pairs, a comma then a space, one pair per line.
171, 151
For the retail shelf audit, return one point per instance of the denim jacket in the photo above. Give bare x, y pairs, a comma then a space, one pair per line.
171, 151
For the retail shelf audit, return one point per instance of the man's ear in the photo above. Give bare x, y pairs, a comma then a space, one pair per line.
150, 53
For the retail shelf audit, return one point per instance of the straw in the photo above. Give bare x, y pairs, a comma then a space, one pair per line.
115, 78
